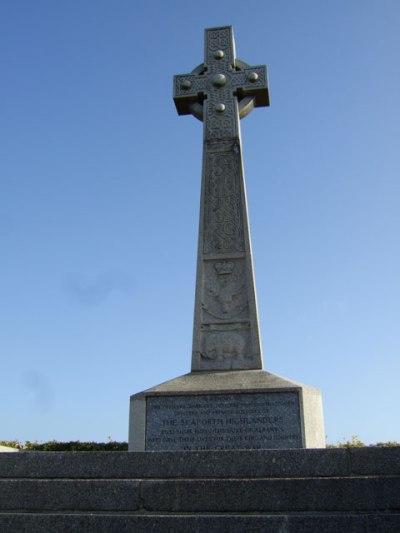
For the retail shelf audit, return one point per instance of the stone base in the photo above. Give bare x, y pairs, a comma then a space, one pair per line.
245, 409
343, 490
8, 449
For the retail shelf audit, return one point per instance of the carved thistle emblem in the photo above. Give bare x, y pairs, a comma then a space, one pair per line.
225, 290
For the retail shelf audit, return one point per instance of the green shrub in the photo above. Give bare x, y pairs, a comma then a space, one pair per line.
11, 444
114, 446
72, 446
355, 442
76, 446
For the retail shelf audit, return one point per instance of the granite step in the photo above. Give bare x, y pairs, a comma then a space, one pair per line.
199, 496
122, 523
285, 491
238, 464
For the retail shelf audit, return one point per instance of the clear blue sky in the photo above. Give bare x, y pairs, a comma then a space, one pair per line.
99, 199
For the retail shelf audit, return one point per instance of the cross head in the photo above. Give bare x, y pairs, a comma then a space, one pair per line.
222, 89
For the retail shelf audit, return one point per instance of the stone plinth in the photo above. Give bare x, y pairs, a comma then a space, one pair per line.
246, 409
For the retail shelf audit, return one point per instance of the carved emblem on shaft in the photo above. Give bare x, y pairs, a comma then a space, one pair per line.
225, 291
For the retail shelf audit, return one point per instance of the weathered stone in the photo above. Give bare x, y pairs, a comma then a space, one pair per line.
226, 332
103, 523
8, 449
273, 495
250, 409
223, 421
62, 495
375, 460
237, 464
228, 401
389, 523
290, 491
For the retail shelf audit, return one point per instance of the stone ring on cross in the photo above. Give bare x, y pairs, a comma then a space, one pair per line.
222, 89
246, 103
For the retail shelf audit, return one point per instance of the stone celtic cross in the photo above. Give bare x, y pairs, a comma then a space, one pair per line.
219, 92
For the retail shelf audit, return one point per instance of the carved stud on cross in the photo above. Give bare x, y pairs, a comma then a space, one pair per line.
223, 88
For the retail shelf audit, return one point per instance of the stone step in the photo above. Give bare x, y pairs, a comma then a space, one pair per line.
123, 523
205, 464
285, 491
199, 496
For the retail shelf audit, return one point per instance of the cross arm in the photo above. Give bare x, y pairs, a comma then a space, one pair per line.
188, 88
252, 81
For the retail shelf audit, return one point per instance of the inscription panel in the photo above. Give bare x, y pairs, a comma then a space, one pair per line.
223, 421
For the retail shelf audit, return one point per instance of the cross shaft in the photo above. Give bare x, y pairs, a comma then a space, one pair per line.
219, 92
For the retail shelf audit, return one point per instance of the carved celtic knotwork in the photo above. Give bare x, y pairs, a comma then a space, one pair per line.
223, 225
242, 78
230, 87
219, 39
194, 85
221, 127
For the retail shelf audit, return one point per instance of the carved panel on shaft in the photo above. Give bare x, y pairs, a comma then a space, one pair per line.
224, 346
223, 224
225, 290
225, 340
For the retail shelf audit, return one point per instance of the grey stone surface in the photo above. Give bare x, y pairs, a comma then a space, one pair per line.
253, 385
224, 421
374, 460
8, 449
102, 523
257, 490
209, 464
62, 495
226, 332
273, 495
226, 354
225, 381
389, 523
